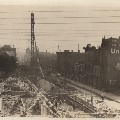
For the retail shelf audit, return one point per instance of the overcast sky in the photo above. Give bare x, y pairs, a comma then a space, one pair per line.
66, 23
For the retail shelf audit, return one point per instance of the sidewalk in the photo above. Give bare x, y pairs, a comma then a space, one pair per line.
107, 95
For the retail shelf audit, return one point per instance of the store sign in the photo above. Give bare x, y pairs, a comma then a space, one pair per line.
113, 50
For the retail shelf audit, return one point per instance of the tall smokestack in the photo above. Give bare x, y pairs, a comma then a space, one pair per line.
78, 46
58, 48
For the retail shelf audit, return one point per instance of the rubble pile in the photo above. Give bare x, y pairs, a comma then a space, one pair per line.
98, 103
22, 100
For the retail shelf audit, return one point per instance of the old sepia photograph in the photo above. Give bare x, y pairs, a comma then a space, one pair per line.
60, 58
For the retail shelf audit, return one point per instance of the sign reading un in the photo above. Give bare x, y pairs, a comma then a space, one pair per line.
113, 50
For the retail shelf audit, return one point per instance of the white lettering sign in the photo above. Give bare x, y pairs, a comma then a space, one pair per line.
114, 51
118, 66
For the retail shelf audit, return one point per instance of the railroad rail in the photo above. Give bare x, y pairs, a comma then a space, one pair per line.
77, 102
86, 106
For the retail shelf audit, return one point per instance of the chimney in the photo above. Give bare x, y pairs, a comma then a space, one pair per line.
58, 48
89, 45
104, 36
71, 50
78, 49
46, 50
13, 46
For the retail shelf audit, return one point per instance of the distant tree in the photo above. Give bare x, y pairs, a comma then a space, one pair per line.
7, 63
13, 63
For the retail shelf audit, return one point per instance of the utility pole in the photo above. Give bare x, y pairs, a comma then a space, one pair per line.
32, 39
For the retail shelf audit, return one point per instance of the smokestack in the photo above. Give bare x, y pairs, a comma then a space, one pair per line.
104, 36
58, 48
78, 46
13, 46
71, 50
46, 50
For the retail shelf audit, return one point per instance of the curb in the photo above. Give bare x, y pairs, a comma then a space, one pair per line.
91, 90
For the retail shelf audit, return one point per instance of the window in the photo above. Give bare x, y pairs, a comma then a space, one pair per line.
114, 40
113, 44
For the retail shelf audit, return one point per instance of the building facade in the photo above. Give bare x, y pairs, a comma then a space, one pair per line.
102, 65
68, 63
97, 67
110, 69
11, 51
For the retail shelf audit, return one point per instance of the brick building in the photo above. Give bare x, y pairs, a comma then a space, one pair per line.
68, 63
89, 63
11, 51
110, 62
102, 65
97, 67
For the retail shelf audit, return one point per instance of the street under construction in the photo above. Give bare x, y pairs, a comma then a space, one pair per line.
33, 91
21, 97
